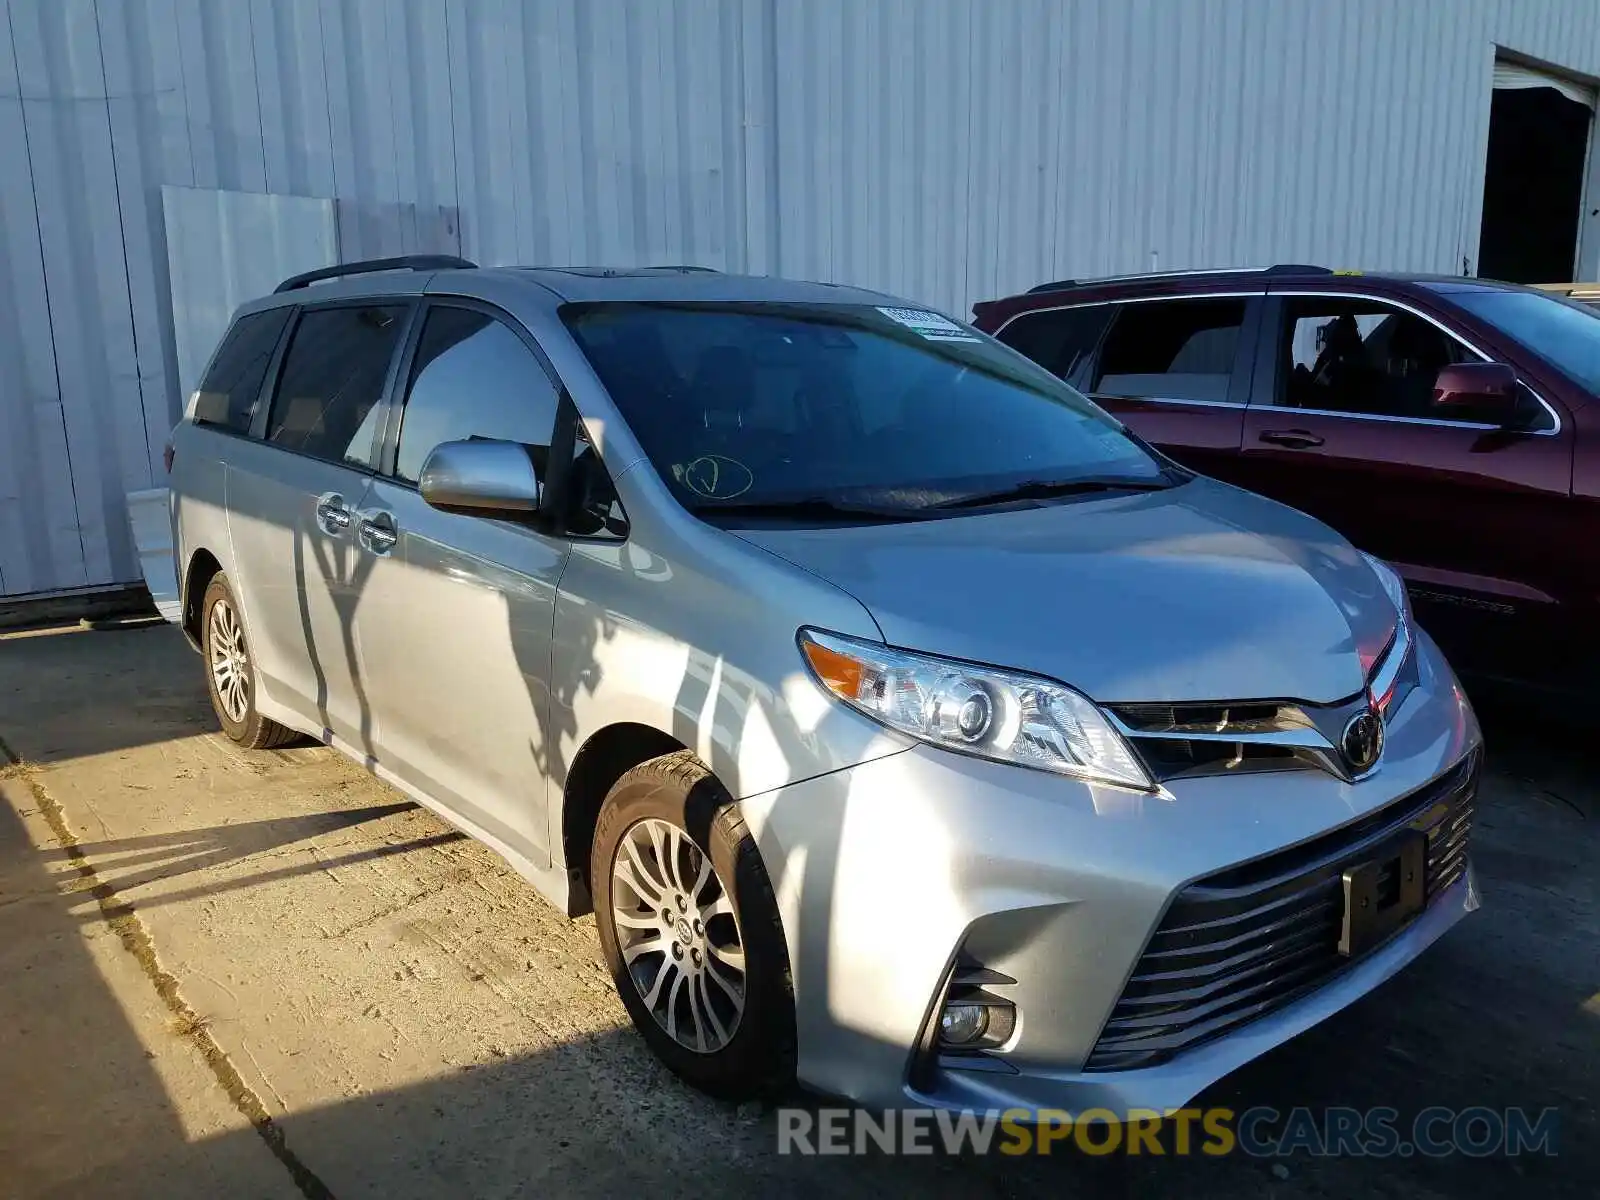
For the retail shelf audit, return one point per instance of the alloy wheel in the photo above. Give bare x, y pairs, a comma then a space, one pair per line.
230, 661
678, 935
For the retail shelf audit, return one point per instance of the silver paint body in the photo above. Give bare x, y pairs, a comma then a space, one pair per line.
469, 664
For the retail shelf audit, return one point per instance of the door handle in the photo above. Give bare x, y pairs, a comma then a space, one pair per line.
1294, 439
377, 532
332, 514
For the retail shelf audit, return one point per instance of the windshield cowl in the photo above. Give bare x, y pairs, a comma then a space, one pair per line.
1046, 490
923, 504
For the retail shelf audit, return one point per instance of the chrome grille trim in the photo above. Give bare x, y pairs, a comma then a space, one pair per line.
1253, 937
1194, 738
1178, 740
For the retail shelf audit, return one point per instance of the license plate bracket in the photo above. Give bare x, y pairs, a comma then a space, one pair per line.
1384, 892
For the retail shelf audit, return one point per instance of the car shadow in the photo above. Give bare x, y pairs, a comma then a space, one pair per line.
133, 865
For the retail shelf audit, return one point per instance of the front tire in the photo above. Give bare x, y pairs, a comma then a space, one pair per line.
690, 929
231, 671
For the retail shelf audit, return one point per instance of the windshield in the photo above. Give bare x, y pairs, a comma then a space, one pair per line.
751, 404
1565, 334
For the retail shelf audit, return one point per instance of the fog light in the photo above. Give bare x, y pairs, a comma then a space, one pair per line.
963, 1024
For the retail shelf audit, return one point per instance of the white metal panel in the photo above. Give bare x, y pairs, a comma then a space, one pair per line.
297, 149
134, 78
62, 83
383, 229
1082, 139
40, 547
228, 247
149, 516
217, 50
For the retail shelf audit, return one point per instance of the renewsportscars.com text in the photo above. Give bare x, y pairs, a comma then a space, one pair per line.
1214, 1132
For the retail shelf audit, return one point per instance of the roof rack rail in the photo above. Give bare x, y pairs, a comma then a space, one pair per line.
687, 268
1278, 269
406, 262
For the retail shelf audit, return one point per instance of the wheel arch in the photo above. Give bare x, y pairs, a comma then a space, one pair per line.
203, 568
607, 755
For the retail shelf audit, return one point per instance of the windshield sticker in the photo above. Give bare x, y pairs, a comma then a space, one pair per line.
929, 325
714, 476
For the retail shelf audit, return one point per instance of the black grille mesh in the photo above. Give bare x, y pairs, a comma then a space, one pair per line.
1244, 941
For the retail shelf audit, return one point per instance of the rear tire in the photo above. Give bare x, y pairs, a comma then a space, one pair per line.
690, 929
231, 671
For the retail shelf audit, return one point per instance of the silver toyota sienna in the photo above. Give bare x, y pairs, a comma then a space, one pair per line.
910, 727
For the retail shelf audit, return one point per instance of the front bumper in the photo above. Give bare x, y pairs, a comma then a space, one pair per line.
885, 871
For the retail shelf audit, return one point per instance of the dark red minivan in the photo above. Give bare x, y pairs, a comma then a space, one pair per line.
1448, 425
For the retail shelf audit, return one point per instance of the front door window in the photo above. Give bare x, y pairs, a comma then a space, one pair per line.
1358, 356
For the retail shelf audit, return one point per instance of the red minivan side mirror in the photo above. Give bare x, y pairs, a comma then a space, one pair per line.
1484, 391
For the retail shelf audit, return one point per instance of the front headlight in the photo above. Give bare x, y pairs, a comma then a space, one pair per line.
984, 711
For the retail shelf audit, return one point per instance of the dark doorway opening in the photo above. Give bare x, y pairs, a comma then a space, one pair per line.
1533, 188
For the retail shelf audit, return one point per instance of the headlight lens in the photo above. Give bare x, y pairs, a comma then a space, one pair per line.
983, 711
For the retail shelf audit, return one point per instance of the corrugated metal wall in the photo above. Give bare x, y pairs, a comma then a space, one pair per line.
943, 149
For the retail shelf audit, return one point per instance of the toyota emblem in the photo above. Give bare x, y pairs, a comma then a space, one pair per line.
1362, 740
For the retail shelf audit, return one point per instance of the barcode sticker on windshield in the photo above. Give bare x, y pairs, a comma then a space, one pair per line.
929, 325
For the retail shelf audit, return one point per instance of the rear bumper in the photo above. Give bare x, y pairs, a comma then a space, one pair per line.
886, 871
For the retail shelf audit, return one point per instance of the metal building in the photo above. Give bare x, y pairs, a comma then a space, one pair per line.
161, 159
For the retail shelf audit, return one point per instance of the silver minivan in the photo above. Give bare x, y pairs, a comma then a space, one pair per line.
911, 728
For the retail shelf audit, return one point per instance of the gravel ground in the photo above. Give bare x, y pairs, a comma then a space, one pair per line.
269, 975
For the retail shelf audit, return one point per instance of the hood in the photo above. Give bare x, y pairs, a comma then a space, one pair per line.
1202, 592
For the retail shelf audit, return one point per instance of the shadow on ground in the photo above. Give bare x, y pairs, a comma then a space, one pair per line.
132, 863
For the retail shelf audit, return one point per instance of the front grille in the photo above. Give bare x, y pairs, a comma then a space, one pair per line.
1177, 741
1249, 939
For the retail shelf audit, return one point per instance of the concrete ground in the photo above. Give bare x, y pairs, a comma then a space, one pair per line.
266, 974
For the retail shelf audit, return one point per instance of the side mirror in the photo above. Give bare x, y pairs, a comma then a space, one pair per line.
481, 478
1484, 391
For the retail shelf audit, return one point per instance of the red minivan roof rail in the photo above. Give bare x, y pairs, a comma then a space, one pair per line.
1277, 269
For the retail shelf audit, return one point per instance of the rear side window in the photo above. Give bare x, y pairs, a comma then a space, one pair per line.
1059, 340
1171, 350
332, 379
230, 392
473, 377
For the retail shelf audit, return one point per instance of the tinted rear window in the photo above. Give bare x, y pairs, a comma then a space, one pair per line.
1058, 339
231, 391
1171, 350
327, 400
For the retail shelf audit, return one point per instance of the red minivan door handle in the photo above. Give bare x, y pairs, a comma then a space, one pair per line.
1295, 439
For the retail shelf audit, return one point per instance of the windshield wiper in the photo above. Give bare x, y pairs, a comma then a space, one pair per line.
821, 507
1047, 489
